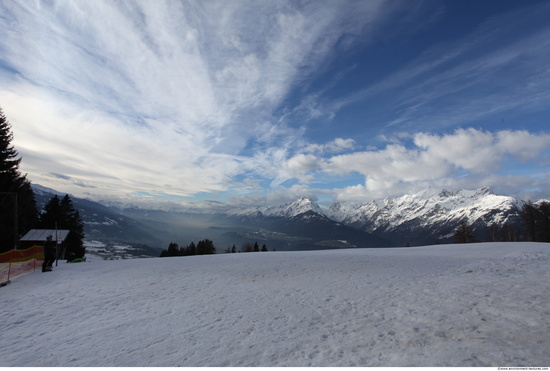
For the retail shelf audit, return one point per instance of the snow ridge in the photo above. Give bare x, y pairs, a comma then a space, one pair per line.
288, 210
421, 210
428, 208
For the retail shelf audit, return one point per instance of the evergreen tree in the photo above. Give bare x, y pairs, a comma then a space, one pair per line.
15, 190
256, 247
174, 249
543, 222
61, 214
191, 249
205, 247
73, 222
234, 249
529, 217
202, 248
464, 234
51, 214
264, 247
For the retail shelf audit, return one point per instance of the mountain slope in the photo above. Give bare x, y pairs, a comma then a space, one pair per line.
426, 217
430, 216
103, 224
302, 225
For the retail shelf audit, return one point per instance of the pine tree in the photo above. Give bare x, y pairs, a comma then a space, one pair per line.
543, 222
529, 217
205, 247
191, 249
9, 157
61, 214
15, 190
51, 214
75, 239
173, 249
264, 247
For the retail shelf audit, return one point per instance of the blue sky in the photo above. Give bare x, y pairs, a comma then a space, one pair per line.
255, 102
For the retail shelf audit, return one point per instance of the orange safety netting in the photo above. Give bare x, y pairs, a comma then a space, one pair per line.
16, 262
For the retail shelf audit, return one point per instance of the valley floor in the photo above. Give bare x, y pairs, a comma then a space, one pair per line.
447, 305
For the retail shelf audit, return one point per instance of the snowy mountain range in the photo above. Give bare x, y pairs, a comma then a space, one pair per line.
430, 216
290, 210
427, 217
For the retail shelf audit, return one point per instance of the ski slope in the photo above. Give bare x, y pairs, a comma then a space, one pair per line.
447, 305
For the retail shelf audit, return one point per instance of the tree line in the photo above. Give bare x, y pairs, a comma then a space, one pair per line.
535, 221
247, 247
206, 247
19, 212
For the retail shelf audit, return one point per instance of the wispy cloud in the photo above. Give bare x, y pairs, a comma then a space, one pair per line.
192, 97
482, 87
491, 70
164, 94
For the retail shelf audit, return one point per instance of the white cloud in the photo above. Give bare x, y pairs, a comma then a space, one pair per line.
190, 97
299, 166
467, 158
523, 145
163, 96
469, 149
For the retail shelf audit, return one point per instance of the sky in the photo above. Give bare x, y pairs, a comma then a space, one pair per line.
261, 102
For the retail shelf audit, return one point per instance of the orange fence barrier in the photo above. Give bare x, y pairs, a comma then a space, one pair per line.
16, 262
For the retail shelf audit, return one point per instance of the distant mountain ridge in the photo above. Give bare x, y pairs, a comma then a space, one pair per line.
288, 210
430, 216
427, 217
310, 228
106, 225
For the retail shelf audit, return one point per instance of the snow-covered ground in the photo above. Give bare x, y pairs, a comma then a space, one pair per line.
448, 305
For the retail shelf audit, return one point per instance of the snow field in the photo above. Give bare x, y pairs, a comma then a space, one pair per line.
448, 305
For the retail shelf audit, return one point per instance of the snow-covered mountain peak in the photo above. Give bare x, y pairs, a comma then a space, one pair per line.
445, 195
428, 209
288, 210
429, 193
297, 207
